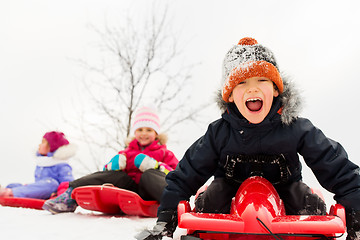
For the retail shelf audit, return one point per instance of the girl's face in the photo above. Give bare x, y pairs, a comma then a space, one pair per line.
44, 147
254, 97
145, 135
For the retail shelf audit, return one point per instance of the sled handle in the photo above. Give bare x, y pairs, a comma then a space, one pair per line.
338, 210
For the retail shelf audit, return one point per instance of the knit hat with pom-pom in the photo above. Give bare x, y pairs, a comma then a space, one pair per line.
55, 140
246, 60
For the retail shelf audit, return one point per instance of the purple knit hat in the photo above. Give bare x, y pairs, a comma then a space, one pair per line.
55, 140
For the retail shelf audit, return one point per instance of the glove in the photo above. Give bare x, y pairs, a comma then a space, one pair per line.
163, 167
143, 162
353, 224
118, 162
165, 226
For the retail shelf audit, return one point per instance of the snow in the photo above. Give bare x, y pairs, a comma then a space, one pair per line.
31, 224
35, 53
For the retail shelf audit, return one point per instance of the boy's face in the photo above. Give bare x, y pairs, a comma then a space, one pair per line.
145, 135
44, 147
253, 97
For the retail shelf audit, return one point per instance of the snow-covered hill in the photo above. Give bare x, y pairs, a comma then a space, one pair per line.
30, 224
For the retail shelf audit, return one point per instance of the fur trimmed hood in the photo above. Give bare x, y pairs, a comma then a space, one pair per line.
65, 152
162, 137
62, 155
290, 101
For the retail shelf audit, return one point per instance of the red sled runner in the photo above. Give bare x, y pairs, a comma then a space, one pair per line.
257, 212
33, 203
114, 200
22, 202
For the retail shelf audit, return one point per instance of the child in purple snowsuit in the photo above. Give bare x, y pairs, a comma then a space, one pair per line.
52, 169
141, 167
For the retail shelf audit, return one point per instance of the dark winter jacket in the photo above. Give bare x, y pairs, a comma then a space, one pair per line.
282, 133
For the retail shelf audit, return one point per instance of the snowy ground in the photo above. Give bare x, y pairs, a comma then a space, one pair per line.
30, 224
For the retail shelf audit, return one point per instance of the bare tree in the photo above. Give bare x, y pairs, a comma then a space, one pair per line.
142, 65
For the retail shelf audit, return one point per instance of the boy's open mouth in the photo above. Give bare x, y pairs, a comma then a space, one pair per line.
254, 104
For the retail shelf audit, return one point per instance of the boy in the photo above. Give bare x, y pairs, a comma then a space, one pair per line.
259, 133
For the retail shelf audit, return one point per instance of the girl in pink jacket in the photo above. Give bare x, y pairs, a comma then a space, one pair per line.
141, 167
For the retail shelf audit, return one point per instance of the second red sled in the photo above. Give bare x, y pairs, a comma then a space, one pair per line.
113, 200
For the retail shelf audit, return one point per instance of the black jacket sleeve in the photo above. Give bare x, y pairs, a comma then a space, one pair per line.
330, 164
195, 168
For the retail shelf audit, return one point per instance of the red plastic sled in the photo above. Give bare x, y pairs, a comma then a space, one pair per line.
33, 203
257, 212
22, 202
113, 200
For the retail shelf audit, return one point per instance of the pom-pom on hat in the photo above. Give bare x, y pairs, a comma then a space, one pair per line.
246, 60
55, 140
146, 117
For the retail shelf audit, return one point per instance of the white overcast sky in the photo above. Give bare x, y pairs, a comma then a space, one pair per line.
317, 43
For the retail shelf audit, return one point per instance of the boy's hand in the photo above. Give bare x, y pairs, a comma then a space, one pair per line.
165, 226
352, 235
353, 224
118, 162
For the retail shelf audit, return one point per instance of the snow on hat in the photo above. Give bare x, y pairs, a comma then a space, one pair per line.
146, 117
246, 60
55, 140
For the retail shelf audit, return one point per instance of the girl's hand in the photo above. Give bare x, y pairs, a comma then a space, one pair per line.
118, 162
